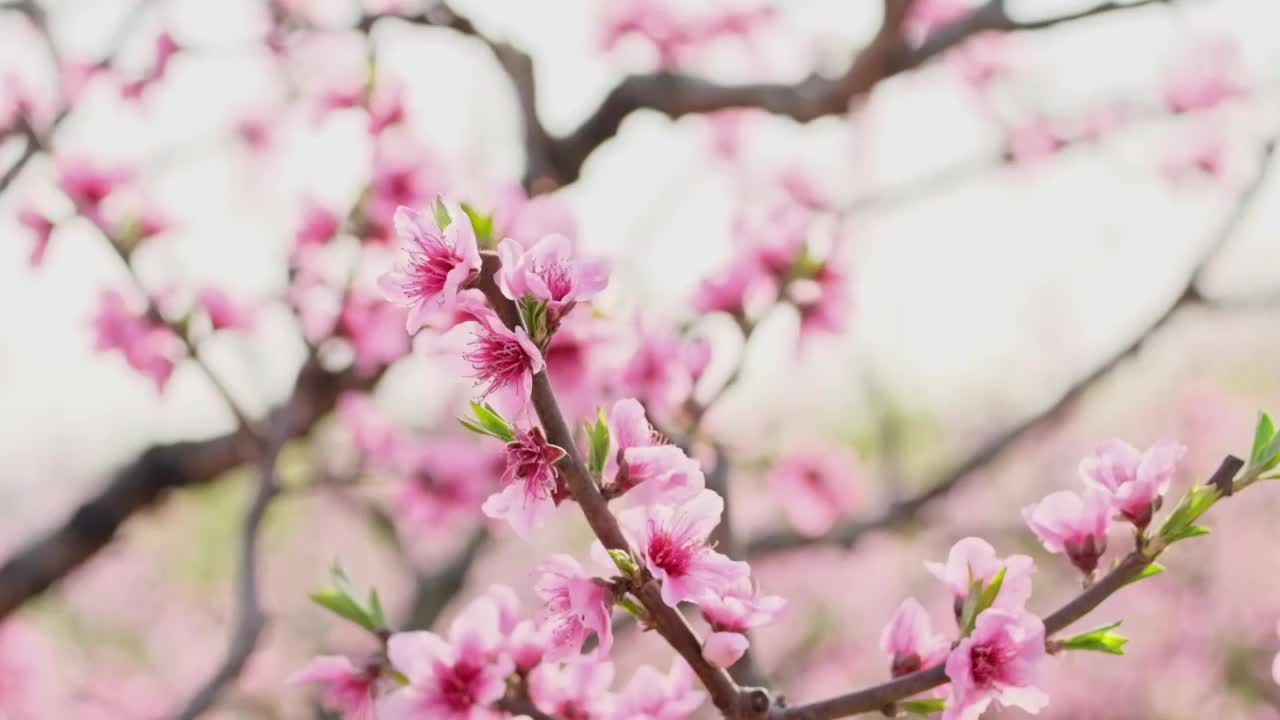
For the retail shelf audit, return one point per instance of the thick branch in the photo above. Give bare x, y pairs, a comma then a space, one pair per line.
145, 481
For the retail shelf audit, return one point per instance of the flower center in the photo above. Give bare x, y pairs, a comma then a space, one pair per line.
497, 360
987, 663
671, 552
457, 685
557, 278
431, 264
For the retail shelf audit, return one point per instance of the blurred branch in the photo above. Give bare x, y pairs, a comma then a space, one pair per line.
146, 480
433, 591
250, 617
905, 511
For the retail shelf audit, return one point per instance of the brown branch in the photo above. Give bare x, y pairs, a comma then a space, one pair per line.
147, 480
434, 591
881, 697
251, 619
733, 701
905, 511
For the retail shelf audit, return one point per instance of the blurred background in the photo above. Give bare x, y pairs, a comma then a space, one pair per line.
1039, 225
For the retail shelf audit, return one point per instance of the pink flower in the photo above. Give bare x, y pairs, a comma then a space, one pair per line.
527, 644
650, 695
374, 435
643, 466
910, 642
531, 483
825, 299
435, 264
1135, 481
455, 680
575, 606
574, 364
386, 106
814, 487
546, 273
503, 359
734, 290
41, 228
657, 372
348, 689
739, 607
443, 481
375, 330
1034, 140
1207, 79
403, 175
672, 543
319, 225
529, 219
997, 662
723, 649
149, 348
224, 313
88, 184
973, 559
576, 689
1073, 524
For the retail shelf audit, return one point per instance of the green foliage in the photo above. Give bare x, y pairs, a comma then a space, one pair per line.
342, 600
1099, 640
626, 564
598, 435
980, 598
923, 707
486, 420
1151, 570
441, 214
482, 223
1265, 454
1181, 523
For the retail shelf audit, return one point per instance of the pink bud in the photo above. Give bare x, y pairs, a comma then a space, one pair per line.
723, 649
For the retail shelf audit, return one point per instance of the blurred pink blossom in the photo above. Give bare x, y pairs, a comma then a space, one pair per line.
910, 642
149, 348
319, 225
578, 688
443, 481
41, 228
653, 696
815, 487
347, 689
224, 313
1208, 77
375, 330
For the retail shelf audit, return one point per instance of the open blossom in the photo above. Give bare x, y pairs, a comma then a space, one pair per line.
645, 467
658, 371
735, 289
1074, 524
504, 360
149, 348
973, 559
731, 613
454, 680
910, 642
347, 689
41, 228
386, 106
433, 266
672, 542
1135, 481
649, 695
531, 483
375, 330
815, 487
547, 273
575, 606
224, 313
997, 662
88, 184
576, 689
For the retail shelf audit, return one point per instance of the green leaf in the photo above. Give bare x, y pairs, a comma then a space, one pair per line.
988, 597
1150, 570
633, 607
344, 606
626, 564
1099, 640
482, 223
1262, 440
341, 581
533, 313
1189, 531
598, 434
376, 613
441, 214
923, 707
487, 421
1194, 504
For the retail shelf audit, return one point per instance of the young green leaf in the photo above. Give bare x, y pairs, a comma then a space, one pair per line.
376, 614
1189, 531
626, 603
598, 434
923, 707
345, 607
1150, 570
1194, 504
626, 564
441, 214
1099, 640
1263, 437
487, 421
482, 223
